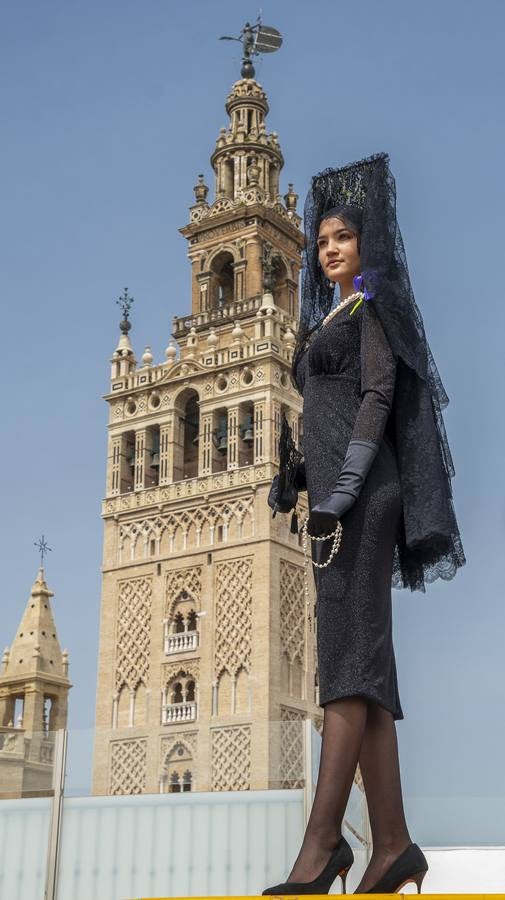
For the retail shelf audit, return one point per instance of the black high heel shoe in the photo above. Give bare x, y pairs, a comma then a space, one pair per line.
339, 863
411, 865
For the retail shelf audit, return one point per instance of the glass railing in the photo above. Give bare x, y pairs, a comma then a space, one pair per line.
173, 811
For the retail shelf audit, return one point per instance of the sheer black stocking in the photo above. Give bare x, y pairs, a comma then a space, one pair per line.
380, 769
343, 729
355, 729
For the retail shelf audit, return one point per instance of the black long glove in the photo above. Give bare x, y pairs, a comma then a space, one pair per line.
357, 463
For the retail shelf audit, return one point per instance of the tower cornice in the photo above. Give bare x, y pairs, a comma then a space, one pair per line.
242, 215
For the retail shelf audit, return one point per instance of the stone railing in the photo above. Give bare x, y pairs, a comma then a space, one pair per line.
228, 312
178, 712
181, 642
189, 487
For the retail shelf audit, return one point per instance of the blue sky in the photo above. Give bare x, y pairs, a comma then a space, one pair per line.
109, 110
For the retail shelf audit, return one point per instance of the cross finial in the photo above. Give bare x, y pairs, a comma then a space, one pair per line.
43, 548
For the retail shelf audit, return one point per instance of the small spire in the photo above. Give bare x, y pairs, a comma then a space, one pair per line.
291, 199
125, 302
201, 190
123, 360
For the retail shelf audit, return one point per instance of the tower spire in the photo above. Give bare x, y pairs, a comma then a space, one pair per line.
34, 690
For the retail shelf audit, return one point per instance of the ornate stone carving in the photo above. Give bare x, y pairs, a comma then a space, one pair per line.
128, 766
186, 738
133, 632
292, 611
231, 758
185, 582
190, 667
194, 527
292, 772
233, 616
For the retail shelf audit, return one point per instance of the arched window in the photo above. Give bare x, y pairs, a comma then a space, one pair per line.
177, 696
187, 435
175, 783
222, 279
186, 780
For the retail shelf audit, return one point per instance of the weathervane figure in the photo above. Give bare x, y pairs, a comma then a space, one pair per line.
43, 548
255, 39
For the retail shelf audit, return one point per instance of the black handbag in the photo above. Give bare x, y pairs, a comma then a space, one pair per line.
283, 493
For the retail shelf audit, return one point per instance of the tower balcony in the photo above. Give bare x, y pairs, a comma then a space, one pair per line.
178, 712
227, 312
181, 642
212, 485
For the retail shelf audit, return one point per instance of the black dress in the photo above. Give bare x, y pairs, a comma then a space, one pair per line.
347, 377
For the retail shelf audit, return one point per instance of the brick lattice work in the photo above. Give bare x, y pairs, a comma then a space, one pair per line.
233, 616
231, 758
128, 766
133, 632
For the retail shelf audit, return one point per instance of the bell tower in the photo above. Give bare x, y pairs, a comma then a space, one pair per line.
206, 640
262, 250
34, 690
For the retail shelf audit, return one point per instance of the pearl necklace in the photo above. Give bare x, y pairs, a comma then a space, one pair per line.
337, 538
356, 296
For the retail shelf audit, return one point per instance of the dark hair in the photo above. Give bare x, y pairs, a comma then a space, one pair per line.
352, 216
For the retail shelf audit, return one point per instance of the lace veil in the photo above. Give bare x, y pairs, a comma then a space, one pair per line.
364, 193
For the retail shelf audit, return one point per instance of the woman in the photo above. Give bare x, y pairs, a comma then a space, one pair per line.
378, 466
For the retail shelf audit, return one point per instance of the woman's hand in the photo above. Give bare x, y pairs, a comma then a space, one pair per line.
324, 516
357, 463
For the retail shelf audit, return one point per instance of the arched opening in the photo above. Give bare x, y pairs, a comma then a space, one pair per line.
221, 279
175, 783
228, 178
179, 699
187, 780
220, 440
48, 714
128, 462
16, 716
245, 438
186, 435
178, 760
176, 695
274, 182
153, 455
281, 286
181, 632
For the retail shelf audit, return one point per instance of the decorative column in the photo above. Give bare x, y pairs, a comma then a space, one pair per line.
259, 429
239, 288
165, 461
205, 444
204, 287
114, 480
233, 412
141, 463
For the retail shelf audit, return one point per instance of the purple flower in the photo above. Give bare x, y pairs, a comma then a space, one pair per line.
359, 284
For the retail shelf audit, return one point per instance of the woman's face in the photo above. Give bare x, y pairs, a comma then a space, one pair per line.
338, 250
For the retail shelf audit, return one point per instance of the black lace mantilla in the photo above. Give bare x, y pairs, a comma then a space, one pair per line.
429, 544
